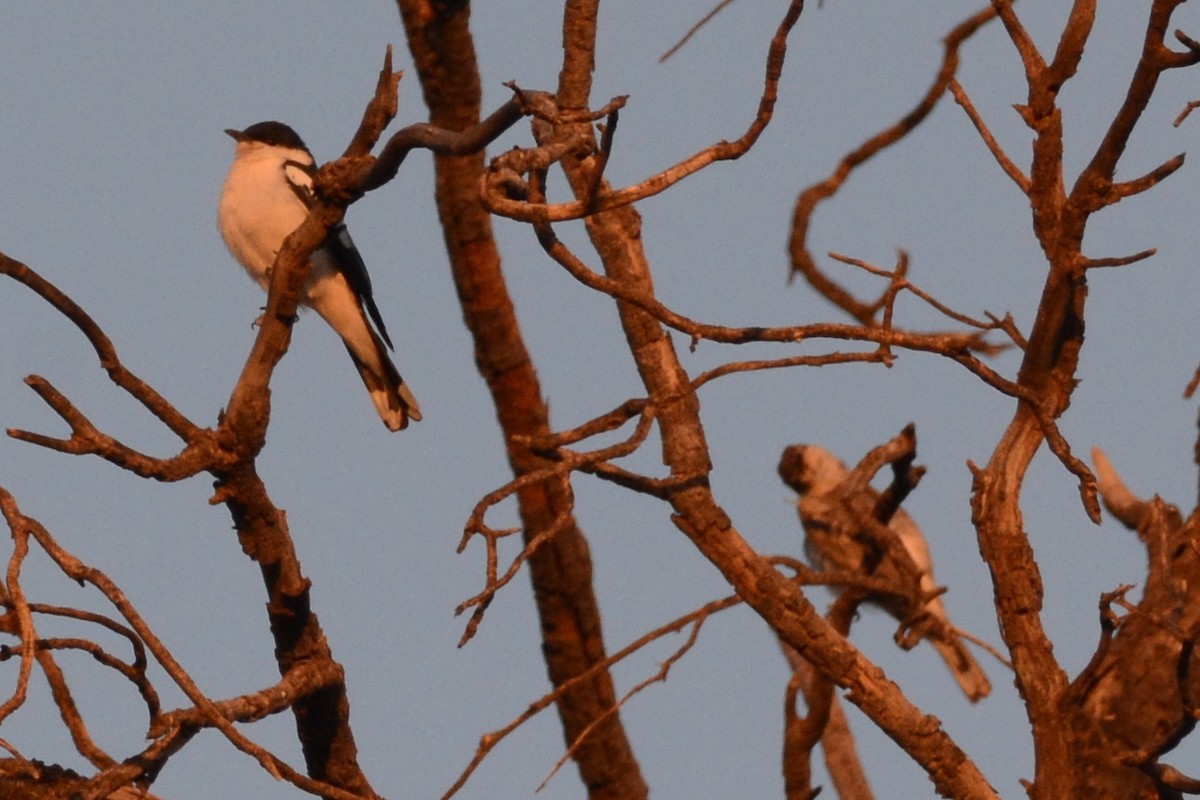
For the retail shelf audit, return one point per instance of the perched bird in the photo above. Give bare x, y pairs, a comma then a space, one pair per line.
841, 535
266, 196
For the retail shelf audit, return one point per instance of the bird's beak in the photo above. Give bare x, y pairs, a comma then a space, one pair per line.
237, 135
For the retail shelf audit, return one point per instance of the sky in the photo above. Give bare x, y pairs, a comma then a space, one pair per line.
111, 160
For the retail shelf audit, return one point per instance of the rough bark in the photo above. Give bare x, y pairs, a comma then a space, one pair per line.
561, 569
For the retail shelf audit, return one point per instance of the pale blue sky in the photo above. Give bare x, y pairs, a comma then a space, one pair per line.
111, 159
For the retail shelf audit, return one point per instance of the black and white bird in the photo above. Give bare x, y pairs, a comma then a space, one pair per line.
832, 510
266, 197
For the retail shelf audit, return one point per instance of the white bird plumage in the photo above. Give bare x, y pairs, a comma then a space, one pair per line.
265, 198
834, 541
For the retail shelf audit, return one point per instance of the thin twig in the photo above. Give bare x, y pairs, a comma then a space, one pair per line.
694, 29
1006, 164
488, 741
495, 198
807, 202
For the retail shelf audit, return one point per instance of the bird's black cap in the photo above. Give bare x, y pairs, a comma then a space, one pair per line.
270, 133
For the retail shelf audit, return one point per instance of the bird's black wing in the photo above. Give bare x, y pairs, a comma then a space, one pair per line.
341, 247
299, 177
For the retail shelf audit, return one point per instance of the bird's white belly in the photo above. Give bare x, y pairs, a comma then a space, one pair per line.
256, 215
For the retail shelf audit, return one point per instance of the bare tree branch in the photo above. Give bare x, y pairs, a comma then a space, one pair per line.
494, 194
561, 572
806, 204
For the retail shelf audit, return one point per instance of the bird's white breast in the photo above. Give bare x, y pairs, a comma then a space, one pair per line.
258, 209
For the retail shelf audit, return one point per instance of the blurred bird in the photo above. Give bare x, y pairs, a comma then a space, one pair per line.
265, 198
832, 510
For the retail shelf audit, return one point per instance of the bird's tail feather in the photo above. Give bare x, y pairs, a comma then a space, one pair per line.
967, 672
336, 301
393, 400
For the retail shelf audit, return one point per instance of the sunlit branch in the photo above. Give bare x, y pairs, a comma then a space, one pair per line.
78, 571
692, 31
302, 680
1156, 59
1030, 57
69, 712
1006, 164
495, 198
1120, 261
105, 351
15, 600
489, 741
808, 200
952, 345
